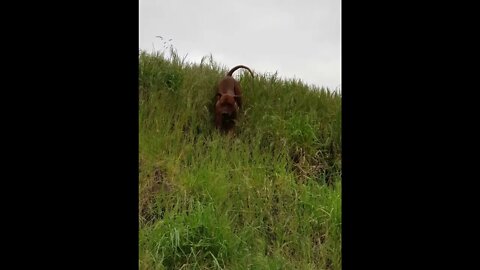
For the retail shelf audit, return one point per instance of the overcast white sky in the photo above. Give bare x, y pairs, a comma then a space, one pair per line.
298, 38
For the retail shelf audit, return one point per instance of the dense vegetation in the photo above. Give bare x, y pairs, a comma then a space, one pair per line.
267, 198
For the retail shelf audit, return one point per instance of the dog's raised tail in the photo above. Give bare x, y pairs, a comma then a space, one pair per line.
230, 73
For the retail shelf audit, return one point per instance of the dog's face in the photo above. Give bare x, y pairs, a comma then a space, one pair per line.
226, 106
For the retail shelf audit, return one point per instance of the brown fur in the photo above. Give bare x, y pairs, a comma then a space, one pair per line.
228, 101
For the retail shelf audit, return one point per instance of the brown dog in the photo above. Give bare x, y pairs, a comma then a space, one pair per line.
228, 100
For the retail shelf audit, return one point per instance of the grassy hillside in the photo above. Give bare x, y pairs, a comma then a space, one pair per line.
268, 198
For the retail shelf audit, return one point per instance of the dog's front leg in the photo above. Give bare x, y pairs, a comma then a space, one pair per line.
218, 121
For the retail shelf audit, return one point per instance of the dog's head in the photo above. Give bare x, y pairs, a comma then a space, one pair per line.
226, 105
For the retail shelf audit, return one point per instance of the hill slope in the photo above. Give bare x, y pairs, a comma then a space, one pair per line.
268, 198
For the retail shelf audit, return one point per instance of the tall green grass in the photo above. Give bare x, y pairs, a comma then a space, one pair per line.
267, 198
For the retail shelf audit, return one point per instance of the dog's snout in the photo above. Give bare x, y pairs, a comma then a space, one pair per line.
225, 114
